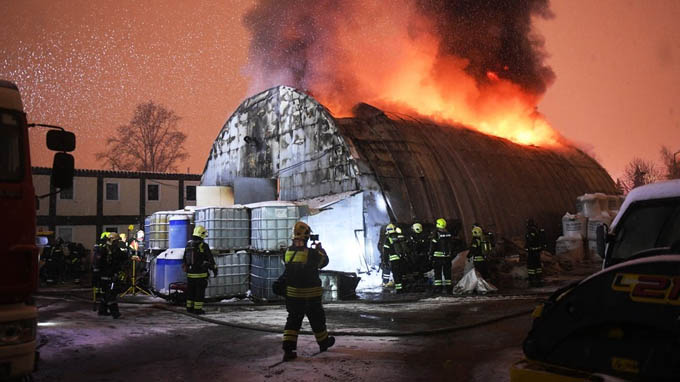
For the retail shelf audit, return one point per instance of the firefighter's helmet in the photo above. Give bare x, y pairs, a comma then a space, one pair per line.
477, 231
200, 231
389, 229
417, 227
301, 231
441, 223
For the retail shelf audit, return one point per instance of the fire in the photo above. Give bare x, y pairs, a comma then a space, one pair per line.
392, 57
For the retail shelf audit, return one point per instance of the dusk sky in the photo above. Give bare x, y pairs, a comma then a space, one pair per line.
85, 65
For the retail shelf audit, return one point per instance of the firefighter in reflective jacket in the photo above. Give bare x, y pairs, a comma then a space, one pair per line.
441, 250
534, 243
196, 262
393, 249
384, 257
98, 251
479, 248
304, 291
110, 264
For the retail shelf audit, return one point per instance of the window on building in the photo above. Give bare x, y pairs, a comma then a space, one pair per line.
152, 192
67, 193
65, 233
111, 229
191, 193
111, 191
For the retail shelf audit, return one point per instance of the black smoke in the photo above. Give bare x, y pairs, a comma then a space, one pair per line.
493, 35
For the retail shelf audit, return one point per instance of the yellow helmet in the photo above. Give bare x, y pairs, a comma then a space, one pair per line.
200, 231
441, 223
104, 235
389, 229
476, 231
417, 227
301, 231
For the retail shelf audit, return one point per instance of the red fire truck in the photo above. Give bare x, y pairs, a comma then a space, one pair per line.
18, 250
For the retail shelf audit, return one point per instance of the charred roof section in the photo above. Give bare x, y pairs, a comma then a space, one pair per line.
423, 170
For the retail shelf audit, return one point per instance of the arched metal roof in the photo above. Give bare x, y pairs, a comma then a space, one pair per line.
428, 171
424, 170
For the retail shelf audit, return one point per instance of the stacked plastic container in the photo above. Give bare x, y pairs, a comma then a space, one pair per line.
228, 227
595, 207
179, 231
159, 227
265, 267
570, 244
167, 269
271, 224
232, 276
158, 230
579, 231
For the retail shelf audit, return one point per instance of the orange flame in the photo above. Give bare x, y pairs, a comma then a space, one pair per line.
389, 57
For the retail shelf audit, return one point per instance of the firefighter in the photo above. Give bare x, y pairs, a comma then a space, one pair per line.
419, 262
477, 250
393, 250
304, 291
97, 252
197, 261
110, 266
55, 262
534, 243
384, 256
441, 251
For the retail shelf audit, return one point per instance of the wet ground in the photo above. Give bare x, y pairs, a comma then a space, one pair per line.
414, 337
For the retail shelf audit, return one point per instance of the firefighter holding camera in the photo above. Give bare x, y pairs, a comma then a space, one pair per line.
304, 291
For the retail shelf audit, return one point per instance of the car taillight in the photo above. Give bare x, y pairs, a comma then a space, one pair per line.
17, 332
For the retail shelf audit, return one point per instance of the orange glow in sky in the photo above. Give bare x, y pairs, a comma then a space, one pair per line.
85, 65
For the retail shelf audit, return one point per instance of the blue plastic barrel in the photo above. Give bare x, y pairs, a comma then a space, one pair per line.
159, 273
179, 232
173, 267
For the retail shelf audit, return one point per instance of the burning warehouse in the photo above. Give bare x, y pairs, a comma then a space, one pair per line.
362, 172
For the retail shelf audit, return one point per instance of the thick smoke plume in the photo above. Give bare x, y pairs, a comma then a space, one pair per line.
475, 62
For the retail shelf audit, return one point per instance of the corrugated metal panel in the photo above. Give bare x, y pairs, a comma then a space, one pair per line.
428, 171
424, 170
285, 134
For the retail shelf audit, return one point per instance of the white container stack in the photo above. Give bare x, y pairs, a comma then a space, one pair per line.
271, 224
574, 226
227, 226
159, 227
158, 230
232, 276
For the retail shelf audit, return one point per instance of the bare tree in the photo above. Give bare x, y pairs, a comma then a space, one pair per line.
639, 172
150, 142
669, 162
